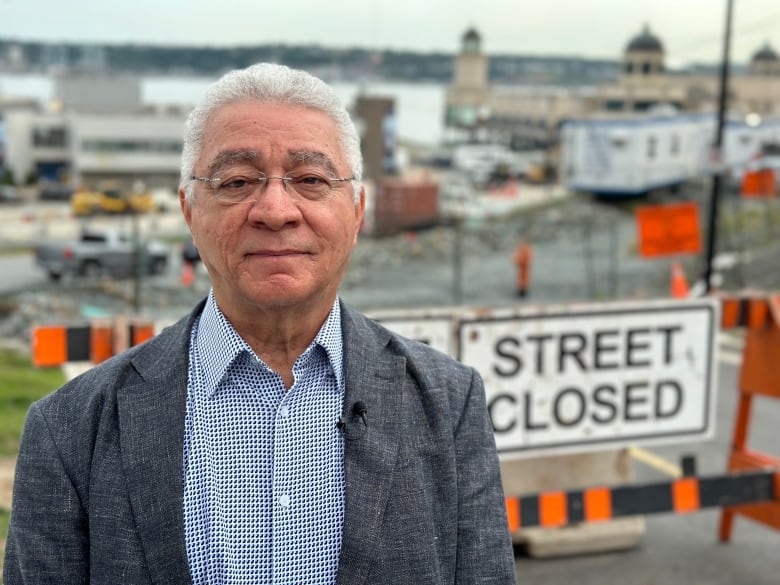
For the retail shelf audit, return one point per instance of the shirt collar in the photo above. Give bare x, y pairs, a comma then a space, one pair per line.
219, 344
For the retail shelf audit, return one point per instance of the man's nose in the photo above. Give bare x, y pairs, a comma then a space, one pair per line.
272, 205
284, 181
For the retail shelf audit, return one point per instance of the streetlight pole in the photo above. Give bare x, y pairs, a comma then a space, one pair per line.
718, 159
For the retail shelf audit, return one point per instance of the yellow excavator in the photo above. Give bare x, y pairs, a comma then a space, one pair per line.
110, 198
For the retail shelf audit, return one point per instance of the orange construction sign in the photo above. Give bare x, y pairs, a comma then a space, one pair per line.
759, 183
668, 229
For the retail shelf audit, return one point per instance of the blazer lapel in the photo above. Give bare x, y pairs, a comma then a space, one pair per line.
151, 421
374, 376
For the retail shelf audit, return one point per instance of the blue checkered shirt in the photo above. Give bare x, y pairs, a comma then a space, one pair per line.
263, 466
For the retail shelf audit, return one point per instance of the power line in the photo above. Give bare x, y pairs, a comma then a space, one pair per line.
741, 32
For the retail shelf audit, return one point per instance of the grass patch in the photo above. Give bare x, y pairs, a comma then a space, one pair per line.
5, 515
20, 385
15, 250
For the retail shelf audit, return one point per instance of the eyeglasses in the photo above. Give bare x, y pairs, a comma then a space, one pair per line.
238, 188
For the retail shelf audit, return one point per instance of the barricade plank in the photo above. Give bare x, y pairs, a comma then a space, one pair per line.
140, 332
685, 495
101, 342
49, 346
751, 490
598, 504
513, 514
55, 345
552, 509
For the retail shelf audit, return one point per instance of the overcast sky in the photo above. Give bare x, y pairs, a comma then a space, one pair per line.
691, 30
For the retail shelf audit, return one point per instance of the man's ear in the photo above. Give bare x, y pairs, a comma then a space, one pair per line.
186, 207
360, 210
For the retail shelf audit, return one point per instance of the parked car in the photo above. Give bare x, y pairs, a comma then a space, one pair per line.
189, 253
97, 253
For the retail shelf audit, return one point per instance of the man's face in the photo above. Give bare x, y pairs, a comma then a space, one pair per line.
276, 249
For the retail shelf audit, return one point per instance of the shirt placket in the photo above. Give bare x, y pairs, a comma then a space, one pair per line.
286, 460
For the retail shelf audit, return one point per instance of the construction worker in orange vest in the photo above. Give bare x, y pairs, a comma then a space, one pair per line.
522, 259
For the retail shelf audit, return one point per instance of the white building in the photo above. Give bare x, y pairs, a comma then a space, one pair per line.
96, 129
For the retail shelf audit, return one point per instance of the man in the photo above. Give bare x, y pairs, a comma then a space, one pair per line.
274, 435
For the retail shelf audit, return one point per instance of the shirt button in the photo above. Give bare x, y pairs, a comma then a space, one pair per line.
283, 411
284, 500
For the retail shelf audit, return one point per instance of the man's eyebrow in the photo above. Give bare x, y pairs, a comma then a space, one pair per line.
229, 157
313, 157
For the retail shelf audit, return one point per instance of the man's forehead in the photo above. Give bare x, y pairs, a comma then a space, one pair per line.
256, 158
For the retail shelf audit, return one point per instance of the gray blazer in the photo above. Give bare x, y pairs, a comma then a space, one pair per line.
98, 490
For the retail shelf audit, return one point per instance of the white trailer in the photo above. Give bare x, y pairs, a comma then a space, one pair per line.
633, 156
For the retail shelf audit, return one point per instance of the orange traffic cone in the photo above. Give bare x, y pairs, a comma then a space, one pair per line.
187, 274
679, 285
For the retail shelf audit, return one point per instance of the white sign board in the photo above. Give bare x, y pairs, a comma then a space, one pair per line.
596, 376
431, 328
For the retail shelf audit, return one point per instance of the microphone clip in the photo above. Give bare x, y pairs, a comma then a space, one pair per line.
347, 424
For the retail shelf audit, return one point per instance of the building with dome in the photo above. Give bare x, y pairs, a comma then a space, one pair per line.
644, 55
531, 116
765, 62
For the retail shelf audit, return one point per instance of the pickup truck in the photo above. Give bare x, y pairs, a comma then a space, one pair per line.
98, 253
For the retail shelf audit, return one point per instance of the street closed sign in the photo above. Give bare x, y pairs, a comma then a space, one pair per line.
576, 378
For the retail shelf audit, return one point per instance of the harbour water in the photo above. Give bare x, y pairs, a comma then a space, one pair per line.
419, 106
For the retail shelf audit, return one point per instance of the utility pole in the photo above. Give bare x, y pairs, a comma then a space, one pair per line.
717, 153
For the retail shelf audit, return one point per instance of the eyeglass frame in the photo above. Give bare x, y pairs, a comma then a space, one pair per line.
264, 180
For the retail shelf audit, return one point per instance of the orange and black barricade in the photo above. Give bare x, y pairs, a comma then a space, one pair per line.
680, 496
54, 345
759, 376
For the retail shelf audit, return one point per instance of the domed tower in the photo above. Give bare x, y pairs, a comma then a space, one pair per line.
765, 62
471, 66
467, 97
644, 55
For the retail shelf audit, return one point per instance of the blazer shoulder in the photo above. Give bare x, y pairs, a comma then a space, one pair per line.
429, 365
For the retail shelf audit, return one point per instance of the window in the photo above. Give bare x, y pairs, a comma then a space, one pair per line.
51, 137
652, 143
675, 145
129, 146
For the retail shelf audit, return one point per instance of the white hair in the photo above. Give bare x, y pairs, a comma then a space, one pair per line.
269, 83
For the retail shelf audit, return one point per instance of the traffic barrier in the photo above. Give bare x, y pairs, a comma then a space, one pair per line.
55, 345
751, 311
522, 259
679, 284
187, 273
751, 485
681, 496
759, 376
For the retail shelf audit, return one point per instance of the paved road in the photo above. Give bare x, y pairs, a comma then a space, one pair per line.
18, 272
